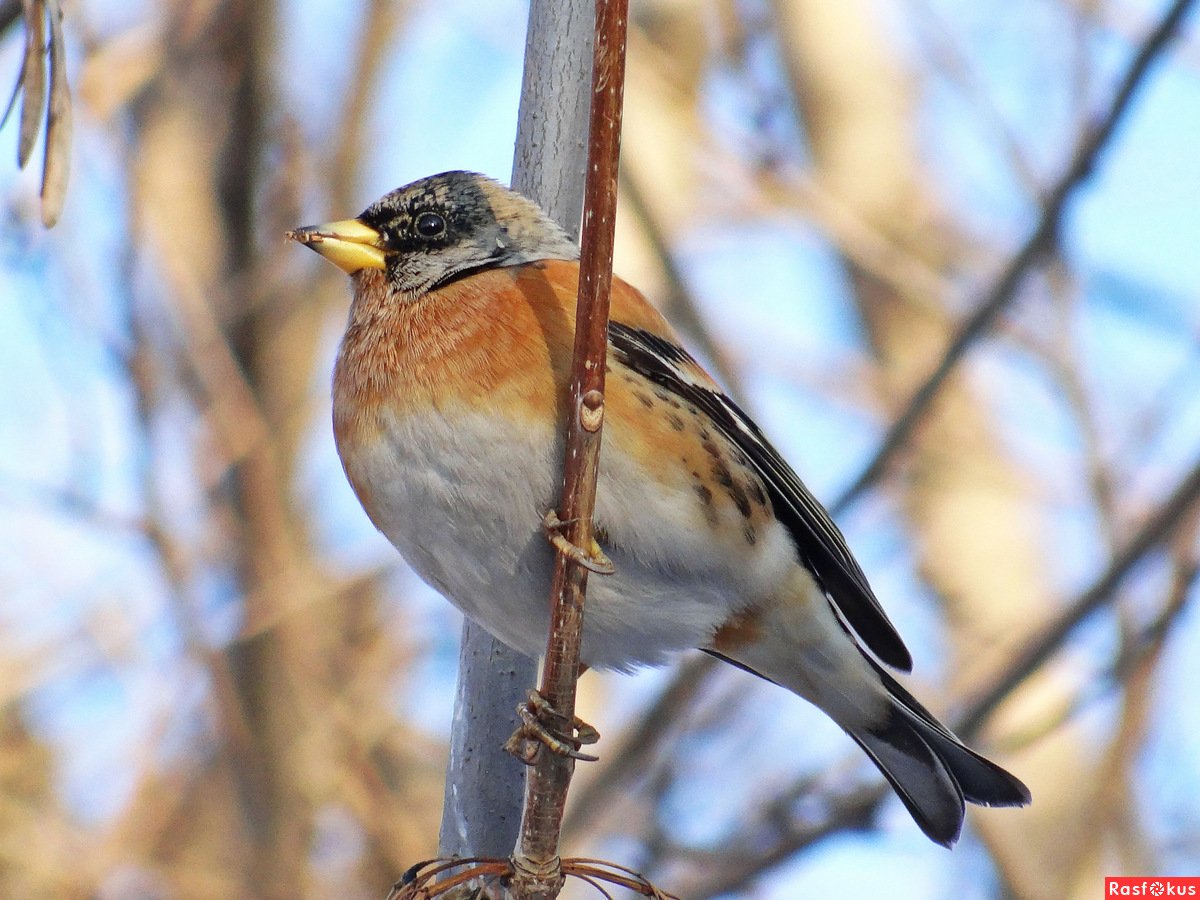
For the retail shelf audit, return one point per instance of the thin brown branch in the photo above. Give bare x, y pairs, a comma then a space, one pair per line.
1036, 247
538, 873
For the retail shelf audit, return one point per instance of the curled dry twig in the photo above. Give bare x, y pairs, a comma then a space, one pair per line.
438, 878
33, 88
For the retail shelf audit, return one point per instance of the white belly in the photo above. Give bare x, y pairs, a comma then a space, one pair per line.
464, 506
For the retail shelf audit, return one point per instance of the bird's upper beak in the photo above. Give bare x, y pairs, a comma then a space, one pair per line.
349, 244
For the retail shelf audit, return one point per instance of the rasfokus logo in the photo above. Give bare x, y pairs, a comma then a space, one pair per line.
1161, 886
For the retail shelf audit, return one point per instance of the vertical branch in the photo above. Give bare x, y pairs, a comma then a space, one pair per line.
538, 873
481, 812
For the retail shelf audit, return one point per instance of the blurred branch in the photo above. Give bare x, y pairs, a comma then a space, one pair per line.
679, 304
380, 22
1128, 22
1040, 242
1041, 647
1138, 650
959, 70
733, 869
858, 240
1065, 366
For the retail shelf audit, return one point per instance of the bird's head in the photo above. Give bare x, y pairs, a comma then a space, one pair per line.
440, 228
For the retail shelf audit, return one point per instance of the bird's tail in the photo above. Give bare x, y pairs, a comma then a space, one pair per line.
931, 770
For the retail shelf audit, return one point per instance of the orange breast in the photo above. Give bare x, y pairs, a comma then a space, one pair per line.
501, 337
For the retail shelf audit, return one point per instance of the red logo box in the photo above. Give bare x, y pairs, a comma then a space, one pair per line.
1151, 886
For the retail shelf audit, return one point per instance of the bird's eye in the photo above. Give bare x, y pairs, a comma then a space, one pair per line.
430, 225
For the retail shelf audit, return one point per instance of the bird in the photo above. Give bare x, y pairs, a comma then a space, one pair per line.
450, 409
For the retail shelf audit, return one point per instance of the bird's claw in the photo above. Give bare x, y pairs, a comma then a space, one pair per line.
594, 560
540, 727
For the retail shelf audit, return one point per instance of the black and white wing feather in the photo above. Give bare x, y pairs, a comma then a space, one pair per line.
819, 544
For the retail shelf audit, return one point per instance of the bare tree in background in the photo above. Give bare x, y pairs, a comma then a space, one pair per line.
271, 760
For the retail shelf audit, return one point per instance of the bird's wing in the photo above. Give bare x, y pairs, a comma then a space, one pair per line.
819, 544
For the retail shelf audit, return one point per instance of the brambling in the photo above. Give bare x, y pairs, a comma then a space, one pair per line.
450, 405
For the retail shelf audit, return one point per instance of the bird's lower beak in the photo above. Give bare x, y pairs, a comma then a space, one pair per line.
350, 245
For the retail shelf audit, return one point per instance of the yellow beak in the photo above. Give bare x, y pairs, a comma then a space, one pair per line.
349, 244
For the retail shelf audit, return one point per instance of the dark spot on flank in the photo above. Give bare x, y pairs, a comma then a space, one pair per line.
740, 500
756, 490
721, 473
705, 495
711, 449
750, 534
668, 398
676, 422
644, 399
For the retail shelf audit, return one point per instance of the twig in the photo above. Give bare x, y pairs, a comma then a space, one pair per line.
1036, 246
538, 872
484, 791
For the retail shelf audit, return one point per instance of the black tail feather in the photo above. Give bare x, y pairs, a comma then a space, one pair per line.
918, 775
982, 781
931, 770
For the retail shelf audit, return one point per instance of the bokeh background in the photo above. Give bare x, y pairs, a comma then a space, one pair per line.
216, 680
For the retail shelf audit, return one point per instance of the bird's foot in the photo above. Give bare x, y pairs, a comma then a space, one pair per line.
542, 726
593, 560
